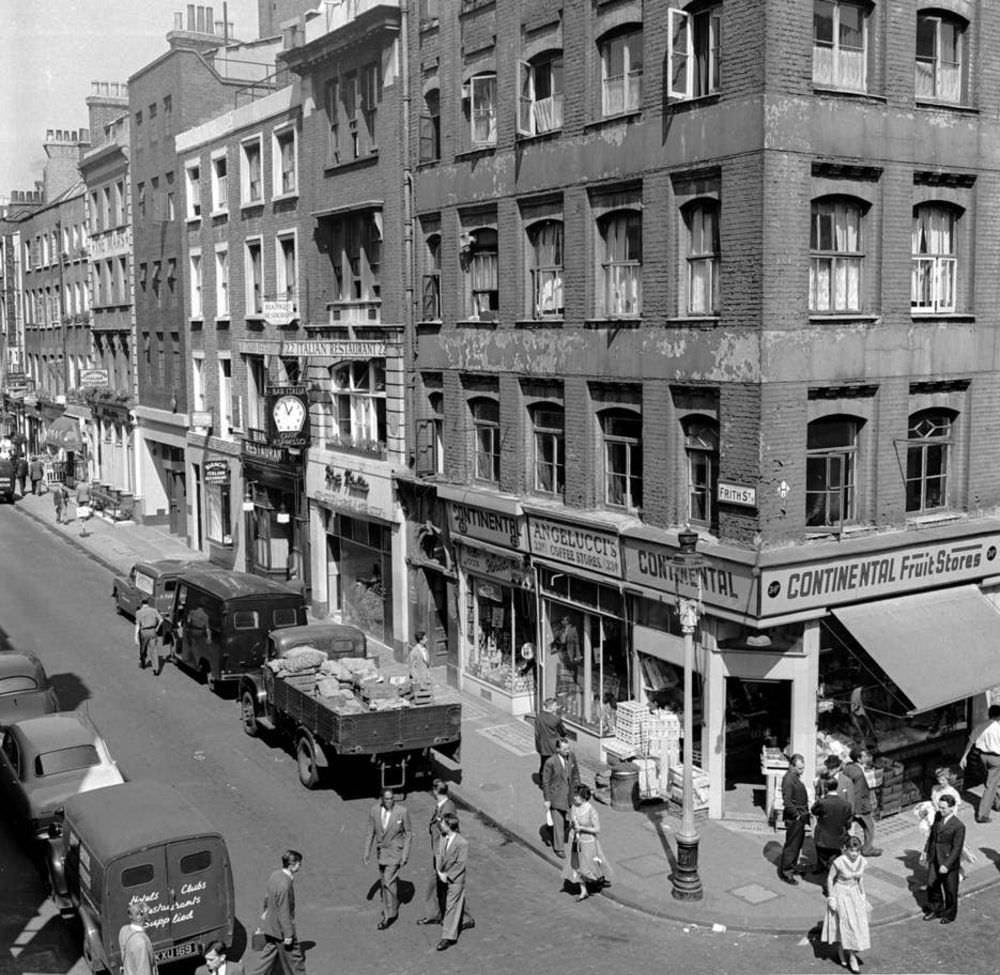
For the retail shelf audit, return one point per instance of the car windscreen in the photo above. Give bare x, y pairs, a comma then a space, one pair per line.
67, 760
17, 684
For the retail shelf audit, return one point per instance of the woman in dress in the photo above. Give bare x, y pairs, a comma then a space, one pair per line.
587, 865
846, 921
927, 809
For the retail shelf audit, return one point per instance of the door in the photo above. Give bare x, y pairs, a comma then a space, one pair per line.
199, 537
437, 617
137, 878
178, 503
199, 889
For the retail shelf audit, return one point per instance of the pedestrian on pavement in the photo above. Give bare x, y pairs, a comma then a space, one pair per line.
83, 509
833, 817
36, 471
587, 865
795, 815
833, 767
560, 777
59, 501
450, 864
549, 728
443, 804
277, 923
419, 661
147, 624
217, 962
21, 474
943, 854
862, 801
134, 944
986, 739
847, 907
389, 835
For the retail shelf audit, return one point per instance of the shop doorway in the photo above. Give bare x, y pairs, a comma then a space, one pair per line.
758, 714
177, 499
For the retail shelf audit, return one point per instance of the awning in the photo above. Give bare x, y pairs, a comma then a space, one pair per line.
938, 647
64, 432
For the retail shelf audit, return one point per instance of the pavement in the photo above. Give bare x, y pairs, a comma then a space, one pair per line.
737, 859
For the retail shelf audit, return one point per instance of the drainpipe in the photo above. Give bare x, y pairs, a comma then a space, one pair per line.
408, 271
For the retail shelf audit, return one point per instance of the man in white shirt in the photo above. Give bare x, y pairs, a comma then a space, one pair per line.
986, 737
134, 944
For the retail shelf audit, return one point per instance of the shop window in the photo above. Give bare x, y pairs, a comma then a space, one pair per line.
929, 439
358, 398
486, 438
693, 57
363, 551
481, 273
836, 256
940, 39
935, 264
840, 44
220, 516
500, 622
430, 127
701, 220
701, 440
545, 255
831, 472
548, 423
621, 72
431, 292
541, 104
621, 264
622, 436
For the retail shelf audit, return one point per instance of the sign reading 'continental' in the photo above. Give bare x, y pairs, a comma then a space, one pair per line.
587, 548
857, 578
488, 526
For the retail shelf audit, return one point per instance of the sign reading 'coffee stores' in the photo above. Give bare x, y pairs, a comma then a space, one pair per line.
586, 548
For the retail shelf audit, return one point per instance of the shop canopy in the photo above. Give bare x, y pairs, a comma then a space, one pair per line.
64, 431
938, 647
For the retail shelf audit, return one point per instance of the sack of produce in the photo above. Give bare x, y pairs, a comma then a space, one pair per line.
360, 667
300, 659
328, 687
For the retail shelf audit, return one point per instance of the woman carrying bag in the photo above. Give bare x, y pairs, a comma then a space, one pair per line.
587, 865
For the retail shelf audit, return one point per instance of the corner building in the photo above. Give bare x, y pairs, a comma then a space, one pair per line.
724, 264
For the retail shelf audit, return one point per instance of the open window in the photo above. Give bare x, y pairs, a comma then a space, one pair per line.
693, 55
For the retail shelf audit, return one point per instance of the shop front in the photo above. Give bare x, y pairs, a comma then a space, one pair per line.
161, 443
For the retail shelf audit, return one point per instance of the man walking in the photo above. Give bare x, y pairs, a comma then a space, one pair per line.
449, 865
134, 944
862, 801
549, 728
21, 474
277, 923
36, 471
796, 817
986, 737
59, 501
443, 805
389, 834
147, 622
833, 815
560, 777
942, 855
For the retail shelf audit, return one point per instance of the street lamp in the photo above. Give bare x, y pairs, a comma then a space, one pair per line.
687, 566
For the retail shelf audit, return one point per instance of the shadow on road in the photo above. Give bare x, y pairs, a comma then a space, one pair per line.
71, 691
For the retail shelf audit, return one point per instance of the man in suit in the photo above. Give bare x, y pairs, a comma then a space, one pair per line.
795, 815
549, 728
449, 864
833, 815
942, 856
216, 962
389, 834
560, 777
864, 804
277, 923
443, 804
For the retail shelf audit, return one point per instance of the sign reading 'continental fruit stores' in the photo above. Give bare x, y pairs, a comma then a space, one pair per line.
856, 578
587, 548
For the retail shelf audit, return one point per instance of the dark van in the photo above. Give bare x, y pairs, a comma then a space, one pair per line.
219, 621
142, 842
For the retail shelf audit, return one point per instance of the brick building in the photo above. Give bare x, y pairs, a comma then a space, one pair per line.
722, 264
198, 78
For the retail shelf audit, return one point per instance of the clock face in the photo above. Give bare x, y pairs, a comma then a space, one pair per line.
289, 414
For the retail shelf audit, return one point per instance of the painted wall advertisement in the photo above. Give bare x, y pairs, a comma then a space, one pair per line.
854, 579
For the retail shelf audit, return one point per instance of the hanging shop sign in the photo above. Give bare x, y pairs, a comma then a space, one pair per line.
279, 312
93, 377
576, 545
857, 578
497, 527
288, 415
216, 472
268, 454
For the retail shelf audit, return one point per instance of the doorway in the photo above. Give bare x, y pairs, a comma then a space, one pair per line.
758, 715
178, 502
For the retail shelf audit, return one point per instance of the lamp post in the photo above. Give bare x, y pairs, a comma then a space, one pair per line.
687, 565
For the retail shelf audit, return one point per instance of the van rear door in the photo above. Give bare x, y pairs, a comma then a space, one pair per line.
137, 877
201, 893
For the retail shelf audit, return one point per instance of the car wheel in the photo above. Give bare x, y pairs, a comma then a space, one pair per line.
309, 773
248, 713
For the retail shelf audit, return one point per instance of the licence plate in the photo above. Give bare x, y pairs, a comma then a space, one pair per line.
179, 951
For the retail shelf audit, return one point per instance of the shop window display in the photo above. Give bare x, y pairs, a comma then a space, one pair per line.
500, 636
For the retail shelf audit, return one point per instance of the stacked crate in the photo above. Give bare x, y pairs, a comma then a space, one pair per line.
629, 718
890, 793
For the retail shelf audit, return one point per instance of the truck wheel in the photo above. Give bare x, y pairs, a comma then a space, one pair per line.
248, 713
309, 772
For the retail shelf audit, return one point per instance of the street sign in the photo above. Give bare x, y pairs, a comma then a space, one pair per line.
279, 312
737, 494
93, 377
201, 418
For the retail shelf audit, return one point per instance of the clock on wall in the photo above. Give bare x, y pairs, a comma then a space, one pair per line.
289, 414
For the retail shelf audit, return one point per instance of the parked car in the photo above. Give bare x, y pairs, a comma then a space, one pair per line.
219, 621
44, 761
154, 581
142, 841
25, 691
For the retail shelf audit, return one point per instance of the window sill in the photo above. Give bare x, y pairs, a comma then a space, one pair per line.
196, 321
193, 221
222, 321
250, 204
607, 120
844, 318
697, 101
281, 197
554, 321
612, 323
850, 93
942, 316
476, 152
348, 164
428, 163
947, 106
488, 323
694, 321
215, 214
527, 138
937, 518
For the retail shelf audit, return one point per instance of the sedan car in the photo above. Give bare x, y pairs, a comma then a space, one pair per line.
44, 761
154, 581
25, 691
